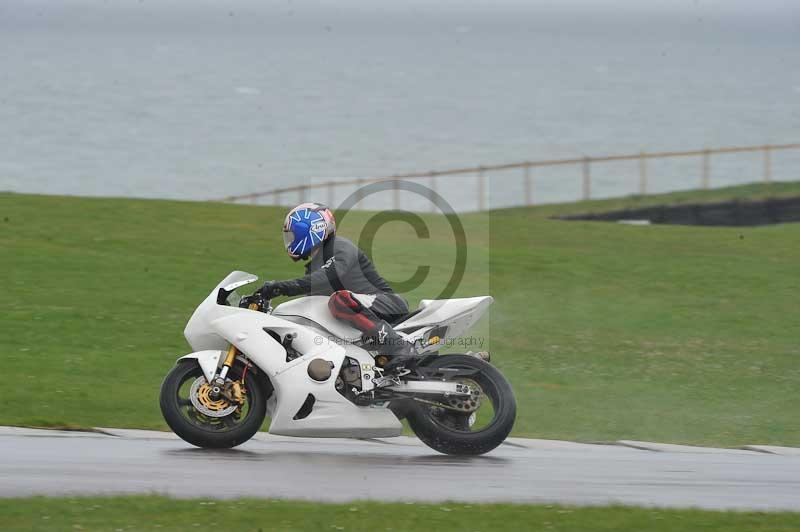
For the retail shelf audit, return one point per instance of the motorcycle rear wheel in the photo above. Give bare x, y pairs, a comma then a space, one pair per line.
211, 432
451, 432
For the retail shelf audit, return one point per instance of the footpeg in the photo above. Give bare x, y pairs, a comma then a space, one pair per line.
382, 382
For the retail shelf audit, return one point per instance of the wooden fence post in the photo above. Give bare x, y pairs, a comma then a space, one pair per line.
481, 189
642, 174
706, 169
767, 164
359, 192
527, 182
432, 193
587, 178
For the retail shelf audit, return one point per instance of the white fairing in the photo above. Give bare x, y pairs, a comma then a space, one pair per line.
208, 361
213, 327
444, 318
315, 308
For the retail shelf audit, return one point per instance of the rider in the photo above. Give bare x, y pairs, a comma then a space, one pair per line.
338, 268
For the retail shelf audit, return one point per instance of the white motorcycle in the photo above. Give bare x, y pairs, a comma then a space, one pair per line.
312, 375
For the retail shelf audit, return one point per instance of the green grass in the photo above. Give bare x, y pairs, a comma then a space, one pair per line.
607, 331
163, 514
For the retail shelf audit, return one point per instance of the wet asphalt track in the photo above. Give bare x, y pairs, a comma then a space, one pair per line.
59, 463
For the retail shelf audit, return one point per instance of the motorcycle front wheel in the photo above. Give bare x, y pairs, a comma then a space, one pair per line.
206, 422
470, 426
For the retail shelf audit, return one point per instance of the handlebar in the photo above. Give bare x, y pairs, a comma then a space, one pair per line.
256, 302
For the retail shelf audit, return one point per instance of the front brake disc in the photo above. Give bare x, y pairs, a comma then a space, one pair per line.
200, 395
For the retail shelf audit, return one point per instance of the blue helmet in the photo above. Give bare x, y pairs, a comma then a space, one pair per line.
306, 227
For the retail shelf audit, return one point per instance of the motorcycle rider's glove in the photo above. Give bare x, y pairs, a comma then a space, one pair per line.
272, 289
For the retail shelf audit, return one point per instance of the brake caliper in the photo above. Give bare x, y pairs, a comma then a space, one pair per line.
235, 392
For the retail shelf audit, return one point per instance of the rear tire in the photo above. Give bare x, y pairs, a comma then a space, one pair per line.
456, 439
258, 392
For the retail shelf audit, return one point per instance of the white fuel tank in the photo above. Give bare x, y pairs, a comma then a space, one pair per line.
315, 309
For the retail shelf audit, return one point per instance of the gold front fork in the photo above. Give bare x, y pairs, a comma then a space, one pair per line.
230, 357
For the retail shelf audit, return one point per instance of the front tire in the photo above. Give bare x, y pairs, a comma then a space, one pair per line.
451, 432
204, 431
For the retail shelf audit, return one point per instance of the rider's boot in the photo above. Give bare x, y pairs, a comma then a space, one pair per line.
389, 344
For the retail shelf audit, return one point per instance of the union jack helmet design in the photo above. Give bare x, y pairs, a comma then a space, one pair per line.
306, 227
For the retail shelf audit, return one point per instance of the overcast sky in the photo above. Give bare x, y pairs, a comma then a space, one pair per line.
631, 5
765, 19
675, 6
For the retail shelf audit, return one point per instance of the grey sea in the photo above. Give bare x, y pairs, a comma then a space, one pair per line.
201, 100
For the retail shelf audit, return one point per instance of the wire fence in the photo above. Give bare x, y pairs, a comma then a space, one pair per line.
473, 193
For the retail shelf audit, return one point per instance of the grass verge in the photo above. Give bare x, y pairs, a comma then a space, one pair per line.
164, 514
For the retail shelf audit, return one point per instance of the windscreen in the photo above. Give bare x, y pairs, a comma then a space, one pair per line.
234, 283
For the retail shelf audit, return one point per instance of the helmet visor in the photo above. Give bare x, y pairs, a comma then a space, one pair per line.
288, 238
